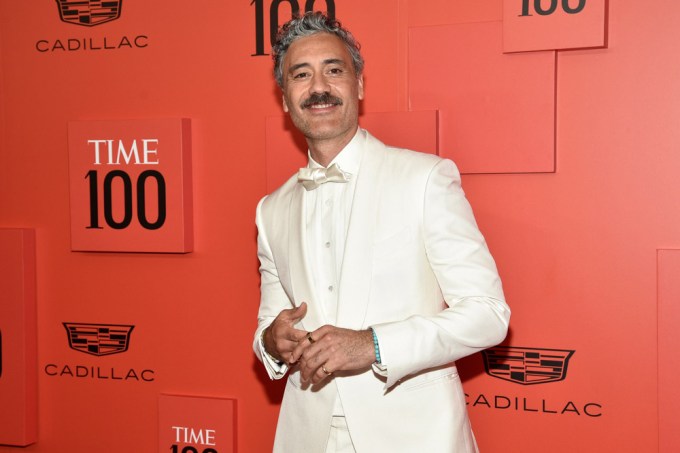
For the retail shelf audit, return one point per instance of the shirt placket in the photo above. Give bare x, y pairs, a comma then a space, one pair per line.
327, 248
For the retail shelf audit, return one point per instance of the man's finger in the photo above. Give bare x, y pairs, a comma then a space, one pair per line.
302, 344
323, 372
312, 360
295, 335
298, 312
319, 374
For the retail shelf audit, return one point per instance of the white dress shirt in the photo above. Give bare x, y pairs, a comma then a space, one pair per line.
327, 211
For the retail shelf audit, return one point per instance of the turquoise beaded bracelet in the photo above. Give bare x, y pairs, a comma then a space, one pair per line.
375, 345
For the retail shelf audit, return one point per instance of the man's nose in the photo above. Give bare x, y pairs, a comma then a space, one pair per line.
319, 84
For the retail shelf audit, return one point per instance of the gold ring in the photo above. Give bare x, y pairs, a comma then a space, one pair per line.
309, 337
323, 368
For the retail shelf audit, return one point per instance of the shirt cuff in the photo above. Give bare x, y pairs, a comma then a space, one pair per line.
379, 369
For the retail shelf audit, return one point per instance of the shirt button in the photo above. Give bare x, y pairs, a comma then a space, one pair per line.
327, 244
330, 288
329, 202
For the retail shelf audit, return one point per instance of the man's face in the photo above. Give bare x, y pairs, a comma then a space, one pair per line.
320, 88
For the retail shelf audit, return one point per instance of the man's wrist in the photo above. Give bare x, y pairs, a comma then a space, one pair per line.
264, 346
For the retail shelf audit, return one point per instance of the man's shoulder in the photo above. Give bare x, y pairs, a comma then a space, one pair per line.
404, 160
404, 155
411, 157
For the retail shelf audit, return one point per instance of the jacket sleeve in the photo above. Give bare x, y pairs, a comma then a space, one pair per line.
273, 298
476, 316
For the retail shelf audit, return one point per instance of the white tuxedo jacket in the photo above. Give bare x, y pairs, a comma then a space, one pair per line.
416, 269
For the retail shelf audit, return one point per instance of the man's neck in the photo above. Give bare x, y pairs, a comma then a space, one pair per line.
324, 151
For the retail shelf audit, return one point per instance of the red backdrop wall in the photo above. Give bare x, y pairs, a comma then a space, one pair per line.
576, 244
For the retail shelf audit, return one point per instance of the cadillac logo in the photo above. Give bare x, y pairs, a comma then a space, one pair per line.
527, 366
98, 339
89, 13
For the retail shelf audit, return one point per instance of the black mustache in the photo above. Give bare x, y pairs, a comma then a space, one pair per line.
317, 98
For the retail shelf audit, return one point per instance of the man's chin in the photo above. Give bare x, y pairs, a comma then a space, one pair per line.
328, 133
321, 128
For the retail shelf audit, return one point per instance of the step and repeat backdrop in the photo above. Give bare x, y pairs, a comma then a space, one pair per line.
138, 137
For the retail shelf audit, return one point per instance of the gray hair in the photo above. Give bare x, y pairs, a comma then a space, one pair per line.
309, 24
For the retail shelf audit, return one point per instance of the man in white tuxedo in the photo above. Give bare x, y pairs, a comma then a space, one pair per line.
374, 276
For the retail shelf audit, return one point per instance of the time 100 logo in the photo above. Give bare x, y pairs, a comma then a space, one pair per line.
114, 152
274, 19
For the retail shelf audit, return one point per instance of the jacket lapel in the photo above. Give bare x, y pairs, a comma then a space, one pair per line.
302, 281
355, 274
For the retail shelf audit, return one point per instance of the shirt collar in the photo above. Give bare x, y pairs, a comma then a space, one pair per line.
349, 158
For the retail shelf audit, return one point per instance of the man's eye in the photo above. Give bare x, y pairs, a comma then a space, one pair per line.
336, 71
300, 75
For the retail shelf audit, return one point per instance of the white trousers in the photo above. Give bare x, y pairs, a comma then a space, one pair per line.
339, 440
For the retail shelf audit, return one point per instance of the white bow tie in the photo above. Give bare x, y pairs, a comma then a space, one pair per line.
311, 178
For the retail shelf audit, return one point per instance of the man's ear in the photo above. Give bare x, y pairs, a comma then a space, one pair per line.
361, 87
285, 104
